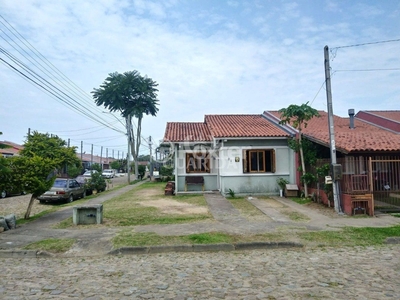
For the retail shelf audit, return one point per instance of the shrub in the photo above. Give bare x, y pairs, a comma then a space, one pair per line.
97, 182
231, 193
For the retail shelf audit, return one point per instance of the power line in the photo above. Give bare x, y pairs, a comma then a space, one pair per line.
368, 70
364, 44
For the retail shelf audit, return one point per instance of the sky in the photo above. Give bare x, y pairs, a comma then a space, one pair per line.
207, 56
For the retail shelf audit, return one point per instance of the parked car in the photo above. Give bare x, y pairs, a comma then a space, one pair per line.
63, 189
108, 173
89, 173
4, 194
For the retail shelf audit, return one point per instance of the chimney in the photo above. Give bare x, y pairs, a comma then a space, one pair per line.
351, 115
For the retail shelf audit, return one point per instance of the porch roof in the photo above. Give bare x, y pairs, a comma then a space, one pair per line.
364, 137
222, 126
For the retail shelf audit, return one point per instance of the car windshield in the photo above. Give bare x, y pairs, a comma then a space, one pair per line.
60, 183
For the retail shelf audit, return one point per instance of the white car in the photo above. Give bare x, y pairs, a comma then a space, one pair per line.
108, 173
89, 173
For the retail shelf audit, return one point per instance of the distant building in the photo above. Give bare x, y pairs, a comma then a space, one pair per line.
13, 149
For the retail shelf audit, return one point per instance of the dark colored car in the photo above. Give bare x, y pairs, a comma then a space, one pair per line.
4, 194
63, 189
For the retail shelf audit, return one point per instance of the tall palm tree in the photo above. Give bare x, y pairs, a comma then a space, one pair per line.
133, 96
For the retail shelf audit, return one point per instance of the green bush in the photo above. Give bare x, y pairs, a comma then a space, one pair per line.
142, 171
166, 171
97, 182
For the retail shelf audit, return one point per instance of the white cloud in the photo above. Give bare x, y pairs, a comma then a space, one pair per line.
208, 61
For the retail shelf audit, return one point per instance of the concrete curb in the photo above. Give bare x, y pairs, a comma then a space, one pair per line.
203, 248
24, 253
393, 240
164, 249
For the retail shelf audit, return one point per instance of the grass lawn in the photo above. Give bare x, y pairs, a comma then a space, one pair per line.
146, 204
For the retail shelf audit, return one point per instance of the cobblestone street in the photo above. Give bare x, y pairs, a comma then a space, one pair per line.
345, 273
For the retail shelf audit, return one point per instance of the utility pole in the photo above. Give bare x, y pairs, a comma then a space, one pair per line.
332, 143
128, 129
151, 158
91, 158
101, 158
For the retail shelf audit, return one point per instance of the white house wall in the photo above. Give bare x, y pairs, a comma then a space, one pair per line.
226, 165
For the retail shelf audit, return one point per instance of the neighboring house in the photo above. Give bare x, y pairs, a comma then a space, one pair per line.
88, 160
369, 155
389, 119
12, 150
244, 153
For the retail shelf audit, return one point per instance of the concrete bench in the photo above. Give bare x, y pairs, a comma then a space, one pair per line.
88, 214
194, 180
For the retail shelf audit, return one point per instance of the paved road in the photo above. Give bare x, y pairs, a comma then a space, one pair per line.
353, 273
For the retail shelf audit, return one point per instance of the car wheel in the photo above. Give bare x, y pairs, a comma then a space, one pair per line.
42, 201
23, 193
70, 198
3, 194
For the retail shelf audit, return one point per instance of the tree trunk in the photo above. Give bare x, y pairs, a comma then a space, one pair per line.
303, 166
28, 211
138, 143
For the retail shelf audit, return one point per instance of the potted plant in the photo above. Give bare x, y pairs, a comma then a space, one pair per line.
282, 182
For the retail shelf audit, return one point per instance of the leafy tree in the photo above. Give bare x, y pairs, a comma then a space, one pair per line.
298, 116
97, 182
133, 96
144, 157
74, 171
34, 170
96, 167
52, 147
118, 164
142, 171
3, 167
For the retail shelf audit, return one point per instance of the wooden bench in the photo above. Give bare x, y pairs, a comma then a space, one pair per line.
194, 180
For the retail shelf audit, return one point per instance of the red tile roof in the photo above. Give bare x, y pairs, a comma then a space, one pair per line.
222, 126
386, 119
364, 137
13, 148
187, 132
242, 126
393, 115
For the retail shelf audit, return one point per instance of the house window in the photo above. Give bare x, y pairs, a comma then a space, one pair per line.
197, 163
259, 161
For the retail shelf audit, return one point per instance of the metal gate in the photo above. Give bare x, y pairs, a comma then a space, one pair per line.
384, 180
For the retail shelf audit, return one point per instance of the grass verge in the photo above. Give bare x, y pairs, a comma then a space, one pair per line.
301, 200
349, 236
51, 245
128, 238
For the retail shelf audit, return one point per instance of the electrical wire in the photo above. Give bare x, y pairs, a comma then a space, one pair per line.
57, 89
369, 70
364, 44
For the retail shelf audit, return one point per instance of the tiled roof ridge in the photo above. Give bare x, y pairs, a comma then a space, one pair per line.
374, 113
